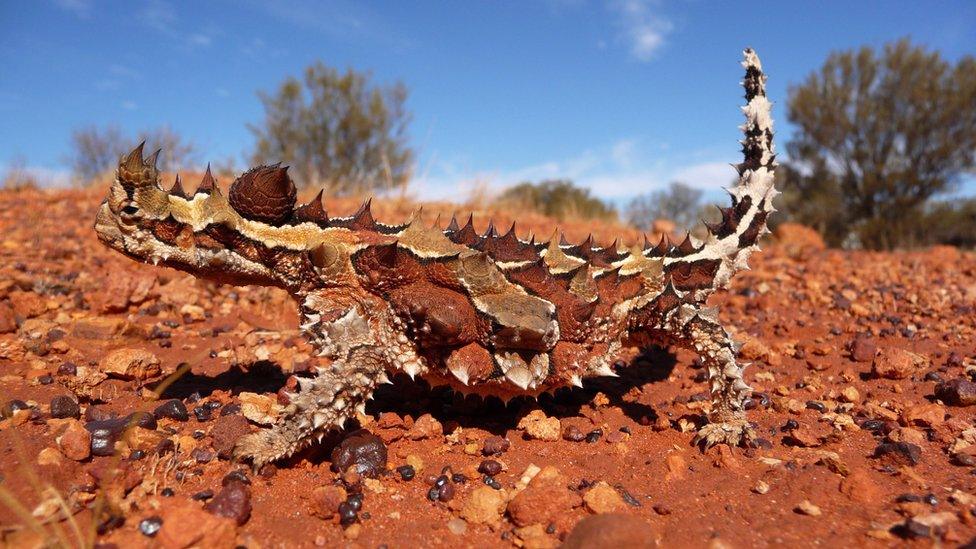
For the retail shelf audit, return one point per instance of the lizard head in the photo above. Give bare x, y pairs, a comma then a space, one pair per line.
232, 240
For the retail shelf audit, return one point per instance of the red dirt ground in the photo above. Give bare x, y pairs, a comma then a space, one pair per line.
862, 446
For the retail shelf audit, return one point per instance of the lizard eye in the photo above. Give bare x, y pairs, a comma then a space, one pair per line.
129, 213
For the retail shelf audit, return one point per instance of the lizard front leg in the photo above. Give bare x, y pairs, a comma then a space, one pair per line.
727, 423
327, 400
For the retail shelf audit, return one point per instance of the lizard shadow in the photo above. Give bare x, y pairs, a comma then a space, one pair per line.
258, 377
416, 397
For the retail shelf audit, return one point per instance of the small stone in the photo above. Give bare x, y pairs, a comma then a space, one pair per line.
545, 499
361, 450
185, 525
489, 467
326, 499
76, 442
807, 508
899, 453
225, 433
495, 445
233, 501
12, 406
347, 513
924, 415
104, 434
573, 433
203, 455
611, 531
863, 349
761, 488
173, 409
538, 426
457, 526
407, 472
483, 506
850, 394
425, 427
447, 492
603, 498
958, 392
859, 487
895, 363
136, 364
150, 526
64, 406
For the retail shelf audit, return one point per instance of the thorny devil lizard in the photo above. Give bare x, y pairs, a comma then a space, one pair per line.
490, 314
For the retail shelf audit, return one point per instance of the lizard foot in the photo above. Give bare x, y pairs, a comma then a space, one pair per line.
733, 432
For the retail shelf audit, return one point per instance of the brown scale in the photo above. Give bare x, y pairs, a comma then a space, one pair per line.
474, 359
695, 275
313, 212
687, 247
383, 268
568, 358
133, 171
438, 316
264, 194
572, 312
238, 243
613, 288
751, 234
506, 248
466, 235
167, 230
653, 312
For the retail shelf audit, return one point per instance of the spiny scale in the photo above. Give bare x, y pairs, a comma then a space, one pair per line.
491, 313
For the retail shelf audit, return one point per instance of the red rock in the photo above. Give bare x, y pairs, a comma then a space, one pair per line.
859, 487
226, 431
863, 349
8, 321
925, 415
187, 525
75, 441
325, 501
425, 427
895, 363
27, 304
361, 452
484, 506
546, 499
611, 531
233, 501
134, 363
957, 392
603, 498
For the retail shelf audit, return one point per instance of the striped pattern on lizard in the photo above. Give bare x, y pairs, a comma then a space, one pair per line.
486, 313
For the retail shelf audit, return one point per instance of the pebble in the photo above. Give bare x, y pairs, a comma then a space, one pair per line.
407, 472
538, 426
895, 363
958, 392
495, 445
362, 451
603, 498
863, 349
173, 409
233, 501
11, 406
76, 441
899, 453
573, 433
594, 435
611, 530
225, 433
483, 506
325, 501
64, 406
807, 508
150, 526
457, 526
104, 434
347, 514
425, 427
137, 364
490, 467
545, 499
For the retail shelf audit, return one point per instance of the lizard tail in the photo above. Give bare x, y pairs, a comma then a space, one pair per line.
734, 238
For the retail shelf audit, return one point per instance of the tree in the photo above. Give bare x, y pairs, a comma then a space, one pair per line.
680, 203
95, 151
887, 133
338, 130
558, 198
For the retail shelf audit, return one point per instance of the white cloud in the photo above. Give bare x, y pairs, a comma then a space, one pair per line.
618, 171
159, 15
200, 39
129, 105
81, 8
641, 29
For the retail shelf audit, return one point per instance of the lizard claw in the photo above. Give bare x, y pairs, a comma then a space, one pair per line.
733, 432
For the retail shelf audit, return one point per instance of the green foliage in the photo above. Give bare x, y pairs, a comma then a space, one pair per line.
679, 203
338, 130
96, 151
558, 198
877, 136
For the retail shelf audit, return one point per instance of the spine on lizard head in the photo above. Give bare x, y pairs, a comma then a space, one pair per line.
735, 237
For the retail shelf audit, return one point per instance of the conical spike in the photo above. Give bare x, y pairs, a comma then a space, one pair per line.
177, 188
208, 184
453, 227
153, 159
133, 161
387, 254
313, 212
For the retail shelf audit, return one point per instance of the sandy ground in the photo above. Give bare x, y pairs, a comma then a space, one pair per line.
861, 365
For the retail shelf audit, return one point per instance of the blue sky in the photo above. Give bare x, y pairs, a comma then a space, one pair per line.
621, 95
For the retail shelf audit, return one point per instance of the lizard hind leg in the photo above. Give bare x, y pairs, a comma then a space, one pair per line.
322, 403
727, 423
